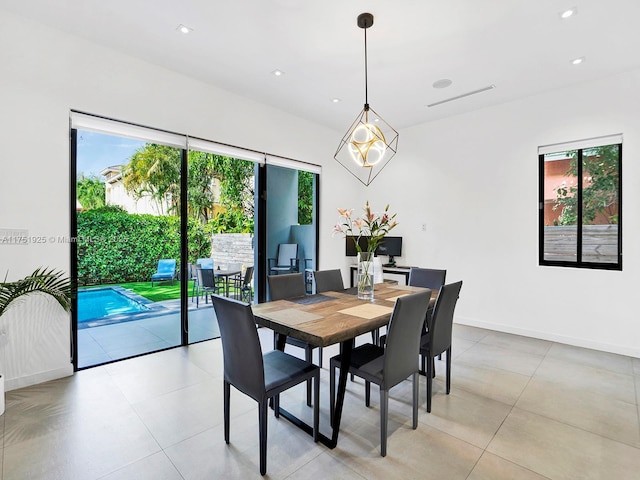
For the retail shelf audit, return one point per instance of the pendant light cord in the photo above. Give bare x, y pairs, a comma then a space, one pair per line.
366, 89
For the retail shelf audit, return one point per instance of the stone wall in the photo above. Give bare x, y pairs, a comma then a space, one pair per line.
232, 248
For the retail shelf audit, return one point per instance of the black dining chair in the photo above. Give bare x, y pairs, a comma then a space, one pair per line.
284, 287
259, 376
328, 280
437, 339
389, 365
206, 284
427, 278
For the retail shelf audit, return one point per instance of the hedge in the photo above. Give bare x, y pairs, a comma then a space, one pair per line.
116, 247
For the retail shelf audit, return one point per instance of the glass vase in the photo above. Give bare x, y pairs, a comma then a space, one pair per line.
365, 275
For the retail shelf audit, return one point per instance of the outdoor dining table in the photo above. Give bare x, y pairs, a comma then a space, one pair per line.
227, 276
328, 318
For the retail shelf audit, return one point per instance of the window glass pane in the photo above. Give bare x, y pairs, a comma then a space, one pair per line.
560, 206
600, 180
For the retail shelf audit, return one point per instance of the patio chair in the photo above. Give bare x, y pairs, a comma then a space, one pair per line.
205, 263
166, 271
206, 284
243, 285
286, 260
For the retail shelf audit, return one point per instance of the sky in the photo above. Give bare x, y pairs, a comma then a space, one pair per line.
97, 151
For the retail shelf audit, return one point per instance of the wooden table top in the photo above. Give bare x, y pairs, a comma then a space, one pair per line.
332, 317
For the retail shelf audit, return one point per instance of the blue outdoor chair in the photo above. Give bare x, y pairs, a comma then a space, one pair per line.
166, 271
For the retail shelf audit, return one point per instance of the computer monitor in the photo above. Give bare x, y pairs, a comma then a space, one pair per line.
350, 245
391, 246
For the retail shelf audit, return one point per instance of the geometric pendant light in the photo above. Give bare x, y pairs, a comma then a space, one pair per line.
370, 142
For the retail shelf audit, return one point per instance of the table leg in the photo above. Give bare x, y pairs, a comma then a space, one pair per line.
346, 348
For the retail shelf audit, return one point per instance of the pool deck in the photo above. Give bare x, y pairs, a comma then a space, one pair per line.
140, 333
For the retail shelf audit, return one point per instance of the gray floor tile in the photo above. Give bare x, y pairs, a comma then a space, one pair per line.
496, 384
588, 377
595, 412
525, 344
492, 467
159, 416
594, 358
156, 467
509, 359
559, 451
464, 415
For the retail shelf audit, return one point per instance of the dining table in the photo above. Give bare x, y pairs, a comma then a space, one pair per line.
328, 318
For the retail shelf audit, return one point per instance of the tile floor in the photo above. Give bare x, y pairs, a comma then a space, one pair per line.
519, 408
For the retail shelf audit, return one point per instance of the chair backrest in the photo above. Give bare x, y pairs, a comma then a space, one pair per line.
287, 251
441, 326
427, 277
205, 263
241, 352
167, 265
403, 337
248, 275
206, 278
328, 280
286, 286
193, 271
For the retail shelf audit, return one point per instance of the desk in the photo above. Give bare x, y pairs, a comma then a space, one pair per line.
328, 318
395, 270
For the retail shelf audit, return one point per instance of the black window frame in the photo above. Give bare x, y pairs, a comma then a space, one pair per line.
578, 263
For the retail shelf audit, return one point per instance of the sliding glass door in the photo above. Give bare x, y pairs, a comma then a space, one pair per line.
220, 233
128, 247
160, 221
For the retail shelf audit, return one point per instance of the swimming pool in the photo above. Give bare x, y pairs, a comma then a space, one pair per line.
103, 302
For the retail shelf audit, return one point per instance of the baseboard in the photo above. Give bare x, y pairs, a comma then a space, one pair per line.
28, 380
576, 342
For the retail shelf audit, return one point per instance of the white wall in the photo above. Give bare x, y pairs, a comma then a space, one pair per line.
451, 175
474, 181
46, 73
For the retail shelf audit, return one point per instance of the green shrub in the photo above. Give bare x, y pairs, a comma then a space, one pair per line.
117, 247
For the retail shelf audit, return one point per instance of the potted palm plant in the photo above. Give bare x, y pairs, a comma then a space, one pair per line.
43, 280
48, 281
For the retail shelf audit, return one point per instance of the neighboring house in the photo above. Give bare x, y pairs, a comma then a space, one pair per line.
116, 194
557, 174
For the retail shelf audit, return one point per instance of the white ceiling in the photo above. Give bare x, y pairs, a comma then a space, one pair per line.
520, 46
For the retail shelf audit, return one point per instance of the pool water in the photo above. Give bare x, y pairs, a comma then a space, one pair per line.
103, 302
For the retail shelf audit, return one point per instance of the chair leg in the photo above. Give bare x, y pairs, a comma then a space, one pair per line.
276, 406
227, 401
308, 356
384, 417
262, 428
416, 384
429, 376
367, 393
316, 406
448, 370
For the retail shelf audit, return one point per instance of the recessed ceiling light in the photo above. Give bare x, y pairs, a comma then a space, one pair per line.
569, 12
577, 61
335, 100
184, 29
442, 83
277, 73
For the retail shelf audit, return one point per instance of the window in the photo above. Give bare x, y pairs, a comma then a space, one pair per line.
580, 209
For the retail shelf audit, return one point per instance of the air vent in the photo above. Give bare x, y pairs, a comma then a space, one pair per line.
458, 97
